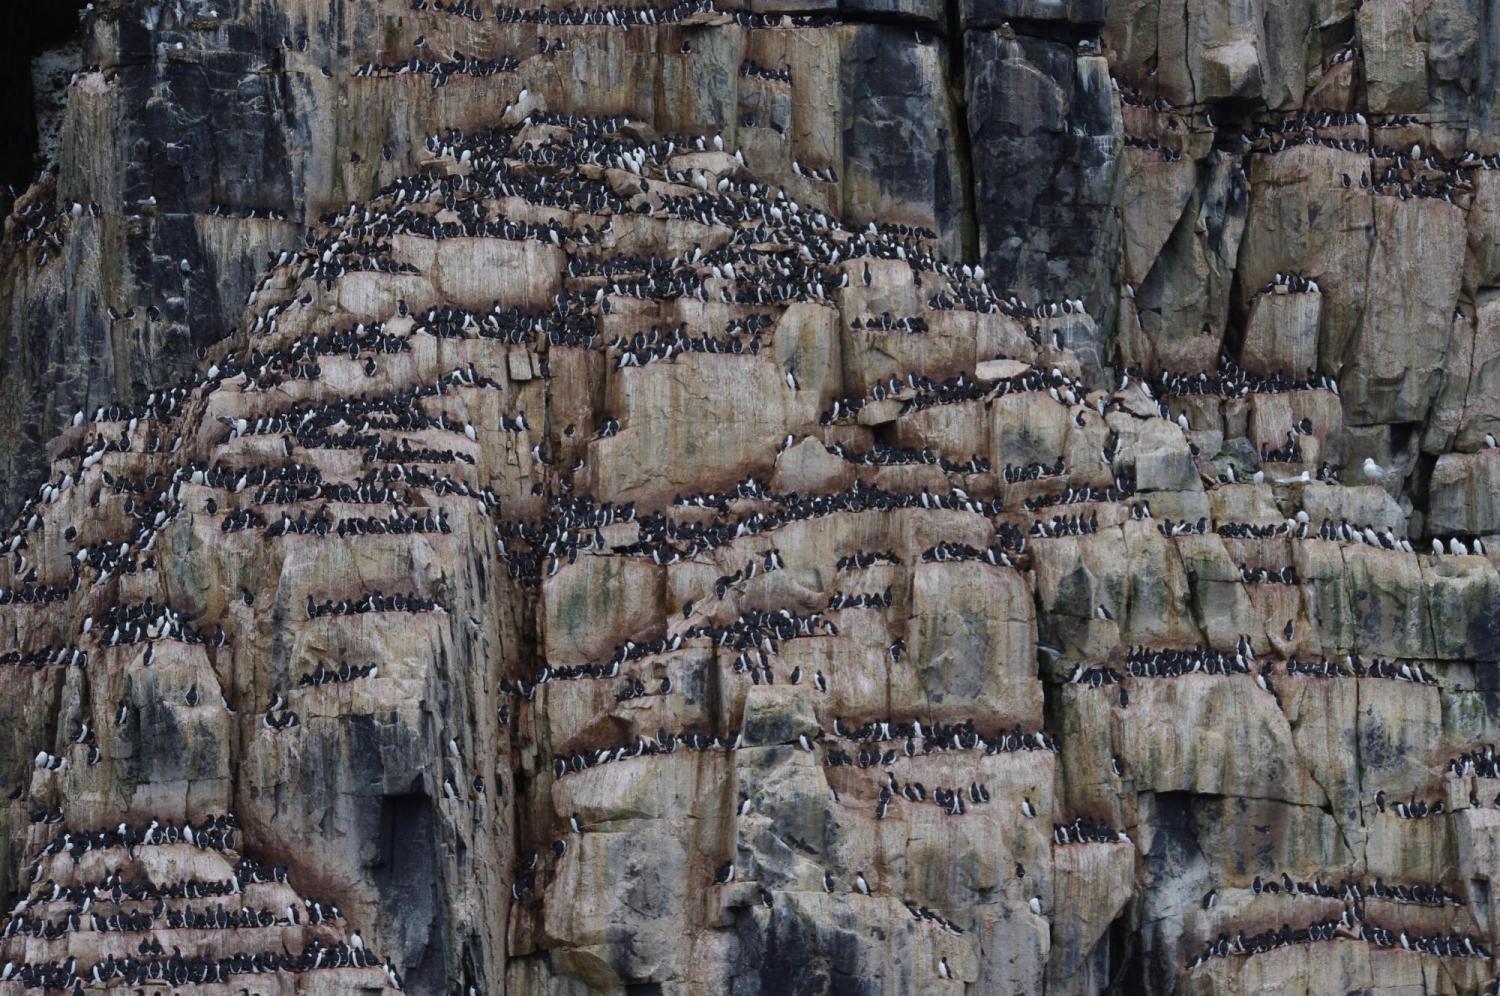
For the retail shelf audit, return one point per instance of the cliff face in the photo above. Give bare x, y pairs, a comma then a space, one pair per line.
868, 498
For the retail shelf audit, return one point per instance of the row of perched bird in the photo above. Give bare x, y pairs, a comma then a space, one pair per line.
862, 559
1411, 809
1350, 925
1168, 152
948, 552
890, 456
33, 594
178, 970
375, 601
126, 623
114, 888
45, 657
1229, 380
1143, 662
1120, 490
344, 672
918, 737
884, 322
919, 913
664, 742
137, 921
1086, 831
212, 833
1261, 575
612, 16
655, 347
1477, 763
1065, 525
1408, 175
1165, 662
1298, 527
754, 70
441, 69
1290, 283
292, 483
1353, 892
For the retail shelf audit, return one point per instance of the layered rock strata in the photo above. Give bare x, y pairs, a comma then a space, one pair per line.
619, 547
106, 907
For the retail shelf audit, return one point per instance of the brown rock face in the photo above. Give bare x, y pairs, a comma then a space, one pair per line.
613, 544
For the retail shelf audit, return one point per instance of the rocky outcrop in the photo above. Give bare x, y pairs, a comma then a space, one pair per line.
866, 500
144, 884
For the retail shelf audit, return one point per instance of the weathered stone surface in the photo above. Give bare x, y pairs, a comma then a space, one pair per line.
994, 644
1282, 333
1463, 493
1046, 133
993, 13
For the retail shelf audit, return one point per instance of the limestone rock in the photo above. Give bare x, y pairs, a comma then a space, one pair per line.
815, 498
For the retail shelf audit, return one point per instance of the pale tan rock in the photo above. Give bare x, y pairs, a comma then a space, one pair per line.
1159, 454
1395, 66
1463, 488
415, 798
974, 640
1093, 881
1403, 335
1366, 505
1157, 192
1282, 333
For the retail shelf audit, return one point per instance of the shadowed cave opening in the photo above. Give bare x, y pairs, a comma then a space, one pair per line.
34, 27
407, 875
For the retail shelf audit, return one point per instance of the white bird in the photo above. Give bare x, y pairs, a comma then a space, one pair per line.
1373, 471
1036, 905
